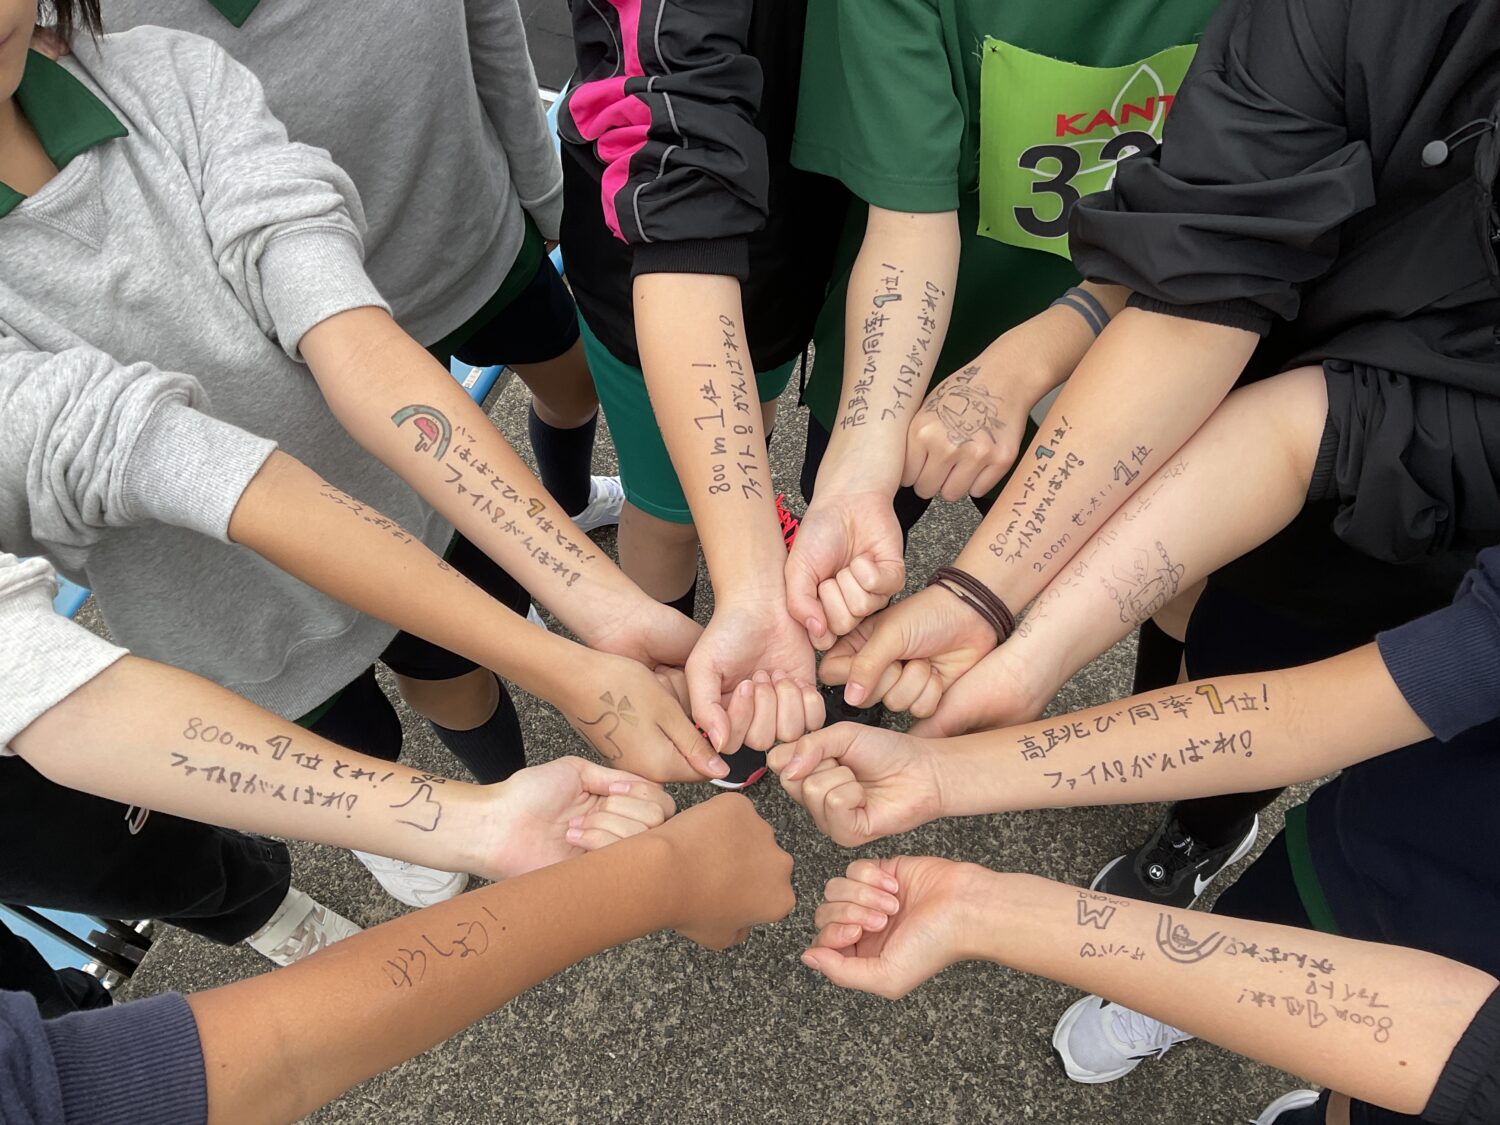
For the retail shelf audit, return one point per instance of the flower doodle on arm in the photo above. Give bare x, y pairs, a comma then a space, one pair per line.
433, 430
614, 714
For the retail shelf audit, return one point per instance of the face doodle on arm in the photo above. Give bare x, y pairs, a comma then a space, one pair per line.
966, 410
433, 429
1148, 584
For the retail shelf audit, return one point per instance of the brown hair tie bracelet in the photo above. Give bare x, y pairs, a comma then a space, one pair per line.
978, 597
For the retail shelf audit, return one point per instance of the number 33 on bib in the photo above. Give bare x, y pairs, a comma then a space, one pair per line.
1051, 132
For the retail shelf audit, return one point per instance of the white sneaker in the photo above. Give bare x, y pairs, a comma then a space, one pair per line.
1099, 1041
411, 883
1297, 1099
536, 618
300, 927
606, 500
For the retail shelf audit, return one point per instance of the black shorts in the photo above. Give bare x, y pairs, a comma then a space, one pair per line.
410, 656
541, 323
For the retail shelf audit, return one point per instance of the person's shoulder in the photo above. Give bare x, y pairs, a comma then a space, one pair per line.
146, 60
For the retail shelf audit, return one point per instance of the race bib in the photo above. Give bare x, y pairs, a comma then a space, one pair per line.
1051, 132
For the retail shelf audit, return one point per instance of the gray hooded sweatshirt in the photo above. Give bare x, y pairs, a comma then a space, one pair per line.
152, 298
431, 106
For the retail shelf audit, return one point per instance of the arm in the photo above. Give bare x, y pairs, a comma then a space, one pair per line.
1240, 480
399, 403
1214, 236
1372, 1021
507, 85
284, 1043
285, 226
1234, 734
685, 184
702, 384
847, 560
145, 734
1141, 391
346, 549
966, 437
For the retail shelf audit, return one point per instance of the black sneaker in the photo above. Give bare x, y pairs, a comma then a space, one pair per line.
1171, 868
746, 767
838, 711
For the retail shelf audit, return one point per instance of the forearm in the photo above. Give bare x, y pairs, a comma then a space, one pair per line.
1233, 734
900, 298
1139, 394
1375, 1022
400, 404
145, 734
1240, 479
1039, 355
349, 551
282, 1044
690, 332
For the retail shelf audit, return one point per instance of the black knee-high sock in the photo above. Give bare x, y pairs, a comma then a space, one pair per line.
494, 749
563, 459
688, 601
1158, 659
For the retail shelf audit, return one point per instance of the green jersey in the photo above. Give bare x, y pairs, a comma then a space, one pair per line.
1007, 112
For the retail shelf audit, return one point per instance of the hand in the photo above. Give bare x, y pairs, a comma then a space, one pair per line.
847, 562
753, 678
966, 436
891, 924
1004, 688
548, 813
861, 783
909, 655
48, 42
728, 872
631, 715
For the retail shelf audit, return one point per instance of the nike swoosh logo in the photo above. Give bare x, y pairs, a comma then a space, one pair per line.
1200, 883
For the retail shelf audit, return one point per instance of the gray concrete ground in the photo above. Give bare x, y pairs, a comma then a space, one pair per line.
662, 1031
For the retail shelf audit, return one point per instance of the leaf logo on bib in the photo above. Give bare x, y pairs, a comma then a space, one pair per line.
1052, 132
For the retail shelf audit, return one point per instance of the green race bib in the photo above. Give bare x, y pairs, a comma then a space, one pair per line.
1052, 132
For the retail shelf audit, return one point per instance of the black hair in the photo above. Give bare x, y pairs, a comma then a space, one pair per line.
70, 15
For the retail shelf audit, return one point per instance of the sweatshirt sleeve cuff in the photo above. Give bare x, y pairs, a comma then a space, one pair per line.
726, 257
189, 470
546, 212
311, 274
135, 1064
46, 658
1445, 666
1230, 314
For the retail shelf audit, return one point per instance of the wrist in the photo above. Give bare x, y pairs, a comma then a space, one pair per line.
993, 909
864, 459
471, 833
666, 894
1043, 351
964, 767
544, 664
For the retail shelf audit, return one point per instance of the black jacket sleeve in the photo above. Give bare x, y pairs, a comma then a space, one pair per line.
666, 106
1244, 199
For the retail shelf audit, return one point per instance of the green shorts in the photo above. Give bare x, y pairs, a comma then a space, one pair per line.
645, 467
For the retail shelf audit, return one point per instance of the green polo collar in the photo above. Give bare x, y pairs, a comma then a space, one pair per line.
235, 11
68, 118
